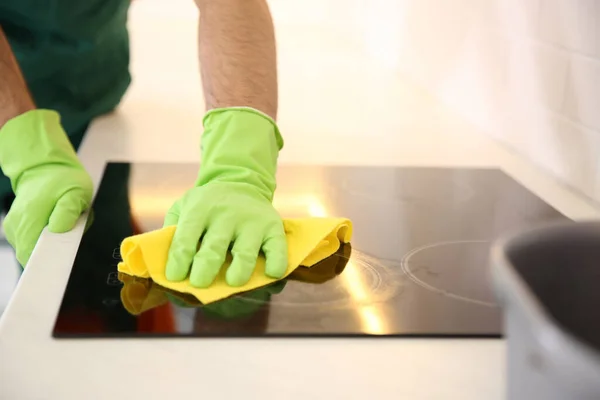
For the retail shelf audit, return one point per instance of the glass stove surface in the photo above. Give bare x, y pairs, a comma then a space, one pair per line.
417, 264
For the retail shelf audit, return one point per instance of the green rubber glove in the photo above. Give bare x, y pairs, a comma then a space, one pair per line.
51, 186
230, 205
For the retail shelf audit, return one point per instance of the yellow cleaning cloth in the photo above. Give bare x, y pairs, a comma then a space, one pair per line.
310, 240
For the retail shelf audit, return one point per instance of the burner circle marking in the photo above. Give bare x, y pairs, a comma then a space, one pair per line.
407, 270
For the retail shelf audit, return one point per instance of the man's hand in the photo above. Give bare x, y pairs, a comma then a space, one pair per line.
230, 207
224, 213
52, 188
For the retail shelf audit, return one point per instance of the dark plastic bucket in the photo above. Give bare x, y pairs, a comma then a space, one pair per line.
548, 282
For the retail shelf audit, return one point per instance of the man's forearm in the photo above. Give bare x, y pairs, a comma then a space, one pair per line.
237, 54
14, 95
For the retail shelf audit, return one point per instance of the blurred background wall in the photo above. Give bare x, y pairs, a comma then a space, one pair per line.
527, 72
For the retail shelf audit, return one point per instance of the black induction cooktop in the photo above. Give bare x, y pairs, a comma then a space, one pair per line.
417, 265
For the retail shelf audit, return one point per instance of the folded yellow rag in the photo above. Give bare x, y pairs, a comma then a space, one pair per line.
310, 240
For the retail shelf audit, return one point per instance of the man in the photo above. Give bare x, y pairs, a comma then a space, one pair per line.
63, 65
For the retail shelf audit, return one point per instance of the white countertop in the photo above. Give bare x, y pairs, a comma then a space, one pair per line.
335, 108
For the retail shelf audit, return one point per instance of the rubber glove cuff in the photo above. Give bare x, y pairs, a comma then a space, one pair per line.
206, 121
240, 145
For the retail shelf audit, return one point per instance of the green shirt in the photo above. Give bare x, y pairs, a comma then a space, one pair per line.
74, 54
